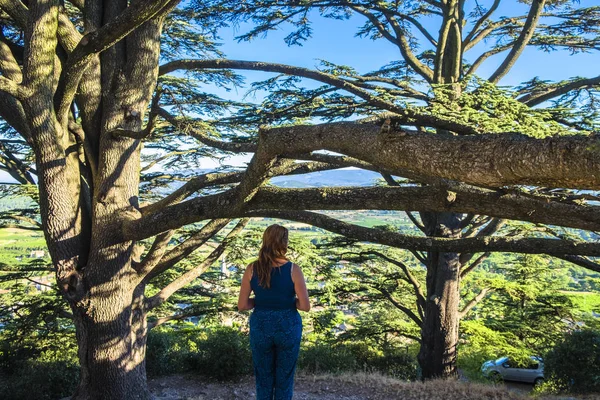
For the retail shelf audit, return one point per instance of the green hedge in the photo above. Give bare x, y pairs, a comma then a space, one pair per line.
220, 354
353, 357
574, 364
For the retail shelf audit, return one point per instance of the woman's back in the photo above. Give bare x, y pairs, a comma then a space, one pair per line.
281, 294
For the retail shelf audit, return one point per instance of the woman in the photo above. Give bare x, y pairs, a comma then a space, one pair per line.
275, 325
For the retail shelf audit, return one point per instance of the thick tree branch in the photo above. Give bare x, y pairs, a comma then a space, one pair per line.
492, 160
16, 10
430, 198
97, 41
12, 88
538, 97
223, 178
582, 262
474, 245
406, 115
537, 7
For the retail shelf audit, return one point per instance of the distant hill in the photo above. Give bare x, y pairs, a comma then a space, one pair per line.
339, 177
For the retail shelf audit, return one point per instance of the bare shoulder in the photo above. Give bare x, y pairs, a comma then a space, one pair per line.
249, 270
296, 272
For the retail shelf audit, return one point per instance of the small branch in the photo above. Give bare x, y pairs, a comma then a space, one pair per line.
476, 300
187, 128
158, 263
465, 270
185, 315
152, 120
155, 254
409, 313
407, 52
492, 227
415, 221
374, 99
410, 278
486, 55
377, 24
420, 257
192, 274
479, 23
477, 223
538, 97
82, 138
582, 262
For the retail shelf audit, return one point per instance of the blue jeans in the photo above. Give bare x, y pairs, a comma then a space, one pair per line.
275, 342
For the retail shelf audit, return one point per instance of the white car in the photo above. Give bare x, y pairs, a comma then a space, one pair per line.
504, 369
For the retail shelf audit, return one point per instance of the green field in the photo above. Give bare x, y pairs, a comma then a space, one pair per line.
15, 243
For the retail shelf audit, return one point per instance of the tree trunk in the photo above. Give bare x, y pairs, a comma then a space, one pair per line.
439, 332
111, 336
111, 319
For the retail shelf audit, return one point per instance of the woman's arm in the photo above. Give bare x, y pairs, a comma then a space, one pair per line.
244, 300
302, 302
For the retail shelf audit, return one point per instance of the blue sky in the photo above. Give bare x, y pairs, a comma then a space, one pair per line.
334, 41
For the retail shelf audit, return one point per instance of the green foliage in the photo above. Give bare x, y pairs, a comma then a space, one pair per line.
527, 308
40, 380
494, 110
38, 367
357, 356
574, 364
221, 353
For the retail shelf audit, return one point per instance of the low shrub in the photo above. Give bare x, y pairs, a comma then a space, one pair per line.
353, 357
223, 355
574, 364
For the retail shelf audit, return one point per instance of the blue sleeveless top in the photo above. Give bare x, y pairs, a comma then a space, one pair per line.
281, 295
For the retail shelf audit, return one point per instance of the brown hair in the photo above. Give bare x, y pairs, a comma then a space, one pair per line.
274, 245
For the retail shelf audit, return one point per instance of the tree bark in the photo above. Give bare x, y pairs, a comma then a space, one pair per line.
439, 332
111, 336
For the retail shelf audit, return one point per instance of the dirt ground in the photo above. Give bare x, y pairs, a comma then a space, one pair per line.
328, 387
